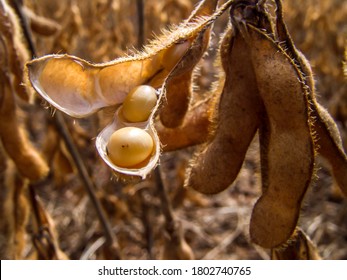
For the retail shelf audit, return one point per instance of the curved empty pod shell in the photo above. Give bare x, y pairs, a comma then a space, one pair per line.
80, 88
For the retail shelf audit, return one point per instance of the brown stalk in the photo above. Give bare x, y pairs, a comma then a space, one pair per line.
175, 247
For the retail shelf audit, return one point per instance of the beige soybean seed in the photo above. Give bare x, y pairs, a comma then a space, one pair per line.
139, 103
129, 146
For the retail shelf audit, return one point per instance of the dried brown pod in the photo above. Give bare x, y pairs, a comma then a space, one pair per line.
287, 147
236, 119
90, 87
298, 247
179, 83
193, 131
328, 139
290, 150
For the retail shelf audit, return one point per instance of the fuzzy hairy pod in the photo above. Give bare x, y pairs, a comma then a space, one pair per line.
290, 152
236, 119
330, 145
326, 133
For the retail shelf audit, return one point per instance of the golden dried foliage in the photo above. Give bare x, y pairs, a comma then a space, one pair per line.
41, 25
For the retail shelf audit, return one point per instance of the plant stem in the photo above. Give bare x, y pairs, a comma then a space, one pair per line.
141, 23
165, 202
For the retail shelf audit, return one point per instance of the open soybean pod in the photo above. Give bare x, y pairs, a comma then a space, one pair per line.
80, 88
235, 120
326, 133
289, 157
178, 86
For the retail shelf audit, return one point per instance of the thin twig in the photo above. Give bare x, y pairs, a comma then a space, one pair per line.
141, 23
222, 245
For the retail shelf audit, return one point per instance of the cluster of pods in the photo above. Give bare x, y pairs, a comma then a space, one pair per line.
266, 89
